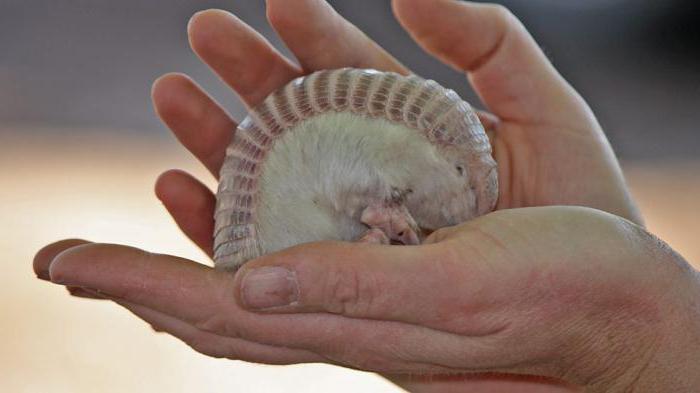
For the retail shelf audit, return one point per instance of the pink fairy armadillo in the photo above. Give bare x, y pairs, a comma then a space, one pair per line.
351, 154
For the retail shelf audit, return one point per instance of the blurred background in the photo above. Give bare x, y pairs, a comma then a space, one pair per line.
80, 149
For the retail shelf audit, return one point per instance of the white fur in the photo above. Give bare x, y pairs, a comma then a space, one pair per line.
321, 174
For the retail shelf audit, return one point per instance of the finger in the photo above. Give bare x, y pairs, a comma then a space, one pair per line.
239, 55
322, 39
191, 204
373, 282
182, 289
202, 126
205, 342
191, 293
506, 67
346, 346
219, 346
48, 253
154, 280
43, 257
204, 298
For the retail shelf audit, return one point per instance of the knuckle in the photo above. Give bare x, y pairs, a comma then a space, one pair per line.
217, 324
211, 324
217, 316
222, 324
342, 291
349, 292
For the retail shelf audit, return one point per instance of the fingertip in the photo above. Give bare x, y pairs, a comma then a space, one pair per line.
94, 265
283, 15
177, 185
66, 262
240, 55
423, 10
507, 68
411, 10
172, 97
417, 18
177, 188
399, 8
193, 20
167, 184
190, 203
204, 29
44, 257
277, 16
164, 83
444, 40
200, 19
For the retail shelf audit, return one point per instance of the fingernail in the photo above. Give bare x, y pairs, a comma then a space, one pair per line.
268, 287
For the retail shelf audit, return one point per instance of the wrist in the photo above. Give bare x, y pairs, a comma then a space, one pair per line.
675, 361
644, 333
676, 364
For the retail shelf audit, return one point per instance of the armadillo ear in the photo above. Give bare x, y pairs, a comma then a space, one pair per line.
424, 105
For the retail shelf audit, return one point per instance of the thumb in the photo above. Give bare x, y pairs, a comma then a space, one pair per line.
508, 70
425, 285
471, 279
555, 291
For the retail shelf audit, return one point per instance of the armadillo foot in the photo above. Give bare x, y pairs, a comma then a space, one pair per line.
393, 220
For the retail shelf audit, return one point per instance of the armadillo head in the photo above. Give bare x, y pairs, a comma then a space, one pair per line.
451, 179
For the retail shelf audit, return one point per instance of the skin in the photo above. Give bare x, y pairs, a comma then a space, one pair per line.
534, 297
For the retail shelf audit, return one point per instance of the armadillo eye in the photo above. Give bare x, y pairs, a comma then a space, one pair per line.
460, 170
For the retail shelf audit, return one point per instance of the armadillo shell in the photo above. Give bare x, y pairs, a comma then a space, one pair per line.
420, 104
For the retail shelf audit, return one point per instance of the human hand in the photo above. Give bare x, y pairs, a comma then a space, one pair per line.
549, 146
569, 293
